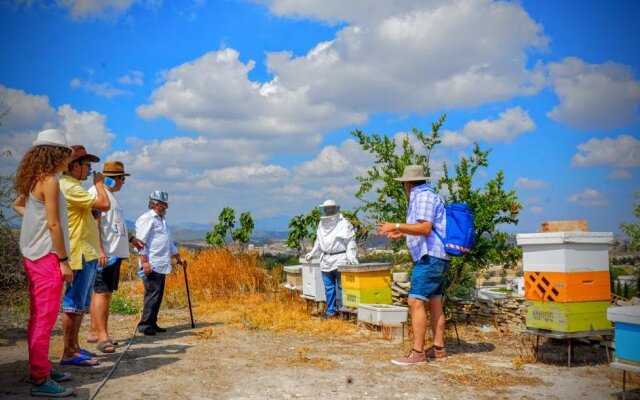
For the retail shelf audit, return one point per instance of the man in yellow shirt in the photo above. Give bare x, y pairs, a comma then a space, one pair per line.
84, 242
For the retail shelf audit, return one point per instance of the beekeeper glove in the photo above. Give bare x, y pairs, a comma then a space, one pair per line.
352, 261
308, 257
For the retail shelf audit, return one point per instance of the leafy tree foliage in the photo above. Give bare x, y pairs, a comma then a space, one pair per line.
242, 234
302, 229
632, 229
385, 199
225, 226
11, 274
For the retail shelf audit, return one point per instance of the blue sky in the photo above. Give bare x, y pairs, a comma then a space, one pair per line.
250, 104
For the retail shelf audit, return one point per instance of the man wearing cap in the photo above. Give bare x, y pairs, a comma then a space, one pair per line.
155, 259
426, 213
85, 250
114, 247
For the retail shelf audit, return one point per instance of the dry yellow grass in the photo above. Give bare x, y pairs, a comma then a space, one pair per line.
231, 287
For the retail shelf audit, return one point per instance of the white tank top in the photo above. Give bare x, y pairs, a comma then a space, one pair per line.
35, 239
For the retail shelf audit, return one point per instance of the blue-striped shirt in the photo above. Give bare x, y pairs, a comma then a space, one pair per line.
425, 205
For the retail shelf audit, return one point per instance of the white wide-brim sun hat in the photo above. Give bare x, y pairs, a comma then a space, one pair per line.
51, 137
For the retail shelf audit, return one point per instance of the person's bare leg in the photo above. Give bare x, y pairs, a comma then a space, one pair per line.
68, 324
100, 304
418, 322
437, 321
76, 332
93, 329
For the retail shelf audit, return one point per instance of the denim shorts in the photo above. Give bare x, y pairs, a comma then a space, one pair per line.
107, 278
427, 278
77, 296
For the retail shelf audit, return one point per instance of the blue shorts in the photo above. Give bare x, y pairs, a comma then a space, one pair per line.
77, 296
427, 278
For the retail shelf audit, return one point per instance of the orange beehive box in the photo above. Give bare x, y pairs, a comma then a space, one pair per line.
567, 287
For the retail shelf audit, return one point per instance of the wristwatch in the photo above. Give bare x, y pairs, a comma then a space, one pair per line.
397, 226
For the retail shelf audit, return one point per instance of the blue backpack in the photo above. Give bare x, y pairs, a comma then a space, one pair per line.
460, 234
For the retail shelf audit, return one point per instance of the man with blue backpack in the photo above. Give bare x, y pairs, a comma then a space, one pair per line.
426, 214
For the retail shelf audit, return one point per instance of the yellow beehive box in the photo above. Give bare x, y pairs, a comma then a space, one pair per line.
352, 297
365, 280
568, 317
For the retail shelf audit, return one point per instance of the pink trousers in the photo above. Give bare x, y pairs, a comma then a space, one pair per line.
45, 290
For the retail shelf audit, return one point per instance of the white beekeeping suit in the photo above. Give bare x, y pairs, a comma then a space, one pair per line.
335, 239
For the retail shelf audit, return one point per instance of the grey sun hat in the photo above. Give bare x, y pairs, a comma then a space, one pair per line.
51, 137
413, 173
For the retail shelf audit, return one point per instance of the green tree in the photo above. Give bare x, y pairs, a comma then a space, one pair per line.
632, 229
302, 229
242, 234
12, 274
385, 199
225, 226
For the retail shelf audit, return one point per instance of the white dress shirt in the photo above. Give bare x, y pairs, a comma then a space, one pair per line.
159, 246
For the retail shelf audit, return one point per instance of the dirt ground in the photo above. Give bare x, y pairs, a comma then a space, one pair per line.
219, 361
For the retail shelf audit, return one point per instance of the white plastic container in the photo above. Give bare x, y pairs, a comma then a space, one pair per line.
565, 251
382, 314
312, 285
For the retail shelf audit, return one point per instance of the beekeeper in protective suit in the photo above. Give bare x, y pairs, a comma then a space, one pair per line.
335, 245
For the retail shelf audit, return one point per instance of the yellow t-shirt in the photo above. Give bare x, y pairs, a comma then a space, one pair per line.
84, 239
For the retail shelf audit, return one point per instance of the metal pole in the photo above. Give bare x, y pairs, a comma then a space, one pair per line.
186, 282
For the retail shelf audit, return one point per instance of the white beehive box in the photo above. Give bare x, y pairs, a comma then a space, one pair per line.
565, 251
382, 314
312, 285
293, 277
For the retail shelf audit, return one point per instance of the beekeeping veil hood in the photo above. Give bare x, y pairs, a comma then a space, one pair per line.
335, 238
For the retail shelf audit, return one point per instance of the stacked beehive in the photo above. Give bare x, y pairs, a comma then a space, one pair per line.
567, 280
368, 283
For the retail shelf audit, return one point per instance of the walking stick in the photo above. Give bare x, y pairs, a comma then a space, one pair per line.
186, 282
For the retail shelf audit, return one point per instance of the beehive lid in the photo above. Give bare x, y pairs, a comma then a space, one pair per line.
294, 269
625, 314
564, 237
382, 307
365, 267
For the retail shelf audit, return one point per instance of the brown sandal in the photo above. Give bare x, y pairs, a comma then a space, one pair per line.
106, 347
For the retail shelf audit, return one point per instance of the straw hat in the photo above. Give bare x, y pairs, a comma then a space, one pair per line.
413, 173
114, 168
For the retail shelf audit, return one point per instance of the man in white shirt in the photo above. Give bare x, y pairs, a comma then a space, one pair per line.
155, 259
114, 247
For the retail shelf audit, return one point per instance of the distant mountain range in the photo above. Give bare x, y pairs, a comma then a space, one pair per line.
269, 227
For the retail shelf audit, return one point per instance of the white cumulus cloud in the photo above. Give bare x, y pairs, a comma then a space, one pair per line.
526, 183
620, 152
589, 198
619, 174
593, 96
132, 78
81, 9
99, 89
28, 114
509, 124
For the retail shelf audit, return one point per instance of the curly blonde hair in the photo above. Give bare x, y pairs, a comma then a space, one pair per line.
37, 164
